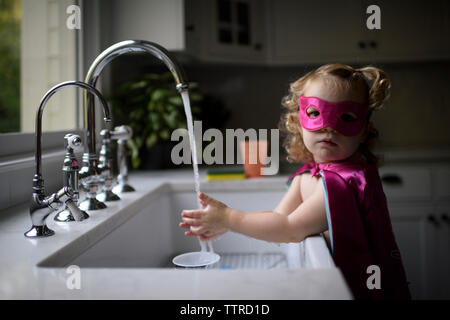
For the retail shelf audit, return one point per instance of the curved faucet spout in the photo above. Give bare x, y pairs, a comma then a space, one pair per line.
40, 111
109, 54
41, 206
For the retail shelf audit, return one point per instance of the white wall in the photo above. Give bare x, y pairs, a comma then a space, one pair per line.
153, 20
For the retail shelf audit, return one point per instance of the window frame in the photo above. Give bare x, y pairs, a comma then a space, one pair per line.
17, 149
18, 146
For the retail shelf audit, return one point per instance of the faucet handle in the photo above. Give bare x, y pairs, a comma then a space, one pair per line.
73, 142
122, 133
105, 134
70, 170
106, 165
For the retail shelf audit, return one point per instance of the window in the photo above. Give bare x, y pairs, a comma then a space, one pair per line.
37, 51
10, 17
233, 22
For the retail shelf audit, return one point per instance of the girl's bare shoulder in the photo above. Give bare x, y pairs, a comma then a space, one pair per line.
308, 184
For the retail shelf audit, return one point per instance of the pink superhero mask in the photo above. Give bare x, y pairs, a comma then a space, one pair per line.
338, 115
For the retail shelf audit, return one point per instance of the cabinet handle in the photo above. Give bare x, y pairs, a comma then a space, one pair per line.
190, 27
432, 219
361, 44
445, 218
373, 44
392, 179
257, 46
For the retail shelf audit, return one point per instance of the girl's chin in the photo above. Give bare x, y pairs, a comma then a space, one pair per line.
324, 157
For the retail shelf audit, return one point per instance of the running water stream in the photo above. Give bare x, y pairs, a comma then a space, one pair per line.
187, 109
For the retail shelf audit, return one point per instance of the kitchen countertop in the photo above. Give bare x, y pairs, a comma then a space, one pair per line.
21, 278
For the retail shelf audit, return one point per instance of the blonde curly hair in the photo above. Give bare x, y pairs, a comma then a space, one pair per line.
376, 89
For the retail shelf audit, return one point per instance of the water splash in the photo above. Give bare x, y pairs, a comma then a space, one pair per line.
187, 110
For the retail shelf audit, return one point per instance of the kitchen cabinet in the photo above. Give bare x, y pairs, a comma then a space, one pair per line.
419, 204
406, 182
415, 238
291, 32
443, 238
441, 174
442, 177
226, 30
325, 31
314, 31
153, 20
410, 31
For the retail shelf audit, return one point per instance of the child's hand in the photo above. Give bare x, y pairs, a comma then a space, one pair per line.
208, 223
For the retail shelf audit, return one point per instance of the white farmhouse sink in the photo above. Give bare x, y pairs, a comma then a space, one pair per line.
148, 234
125, 251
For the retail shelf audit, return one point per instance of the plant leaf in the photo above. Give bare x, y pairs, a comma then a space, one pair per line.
171, 119
151, 106
164, 134
160, 94
194, 96
151, 140
135, 160
152, 76
138, 85
154, 118
176, 100
138, 141
193, 85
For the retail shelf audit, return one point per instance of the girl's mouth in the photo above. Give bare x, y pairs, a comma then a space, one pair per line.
327, 142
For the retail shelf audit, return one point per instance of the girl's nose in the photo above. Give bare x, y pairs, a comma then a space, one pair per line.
329, 129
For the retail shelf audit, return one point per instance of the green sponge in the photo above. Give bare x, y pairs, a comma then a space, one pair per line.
224, 174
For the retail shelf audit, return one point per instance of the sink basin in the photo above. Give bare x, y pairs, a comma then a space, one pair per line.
149, 236
126, 250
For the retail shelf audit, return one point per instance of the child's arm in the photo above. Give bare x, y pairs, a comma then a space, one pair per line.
307, 219
292, 199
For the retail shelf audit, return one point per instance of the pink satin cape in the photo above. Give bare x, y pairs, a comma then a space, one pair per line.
360, 228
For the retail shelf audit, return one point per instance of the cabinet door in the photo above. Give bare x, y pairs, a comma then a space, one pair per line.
442, 182
152, 20
323, 31
226, 30
406, 182
416, 239
443, 259
315, 31
410, 30
442, 215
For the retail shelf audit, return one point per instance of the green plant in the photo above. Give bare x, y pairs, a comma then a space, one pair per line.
153, 108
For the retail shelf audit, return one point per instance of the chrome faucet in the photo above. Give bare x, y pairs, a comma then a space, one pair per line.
41, 206
106, 164
72, 142
122, 134
91, 173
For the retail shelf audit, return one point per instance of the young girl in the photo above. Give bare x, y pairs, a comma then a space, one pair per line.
337, 191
